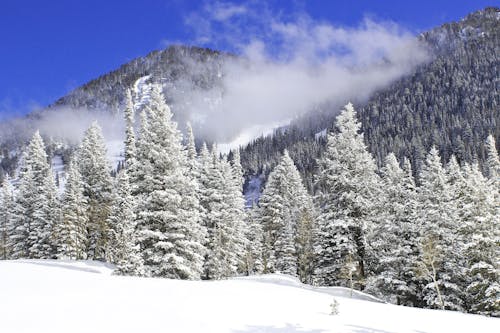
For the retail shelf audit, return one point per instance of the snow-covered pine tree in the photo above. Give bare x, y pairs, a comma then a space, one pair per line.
237, 169
479, 216
97, 187
437, 218
493, 161
71, 236
6, 216
170, 231
130, 145
394, 240
34, 220
122, 247
254, 248
21, 222
284, 204
238, 221
224, 218
346, 189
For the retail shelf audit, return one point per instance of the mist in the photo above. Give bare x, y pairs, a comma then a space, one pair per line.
290, 66
285, 67
62, 124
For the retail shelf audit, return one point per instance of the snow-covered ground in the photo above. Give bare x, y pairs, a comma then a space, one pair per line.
59, 296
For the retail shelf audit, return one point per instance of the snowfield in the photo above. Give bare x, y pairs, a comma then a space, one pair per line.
83, 296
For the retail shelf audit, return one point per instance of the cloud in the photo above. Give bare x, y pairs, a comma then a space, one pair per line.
62, 123
291, 64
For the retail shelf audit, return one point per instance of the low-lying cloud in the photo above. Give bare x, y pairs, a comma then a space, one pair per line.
289, 66
285, 67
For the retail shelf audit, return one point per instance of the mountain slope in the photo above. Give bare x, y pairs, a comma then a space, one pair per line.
452, 102
55, 296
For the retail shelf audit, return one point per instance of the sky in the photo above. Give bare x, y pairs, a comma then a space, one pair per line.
50, 47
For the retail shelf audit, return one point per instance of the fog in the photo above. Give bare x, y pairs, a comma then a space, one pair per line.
286, 66
289, 66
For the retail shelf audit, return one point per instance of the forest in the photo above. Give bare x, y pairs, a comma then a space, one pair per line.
175, 211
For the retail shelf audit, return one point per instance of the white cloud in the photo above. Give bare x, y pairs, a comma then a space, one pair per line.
292, 64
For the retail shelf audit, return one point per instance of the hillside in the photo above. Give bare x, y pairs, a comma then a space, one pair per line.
83, 296
451, 102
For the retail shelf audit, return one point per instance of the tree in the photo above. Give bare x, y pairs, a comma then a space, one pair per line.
492, 161
130, 145
97, 187
346, 189
254, 249
429, 265
6, 217
284, 204
437, 218
394, 240
224, 208
170, 232
481, 236
123, 249
34, 220
71, 237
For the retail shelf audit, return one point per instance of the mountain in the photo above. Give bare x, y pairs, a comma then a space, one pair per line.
451, 102
83, 296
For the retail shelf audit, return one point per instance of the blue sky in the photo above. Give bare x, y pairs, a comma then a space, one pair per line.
50, 47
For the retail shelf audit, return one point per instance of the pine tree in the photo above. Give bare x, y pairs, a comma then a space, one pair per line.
347, 186
437, 218
237, 200
253, 258
224, 207
71, 236
130, 145
170, 231
34, 220
6, 217
394, 238
97, 185
479, 215
492, 162
284, 204
123, 249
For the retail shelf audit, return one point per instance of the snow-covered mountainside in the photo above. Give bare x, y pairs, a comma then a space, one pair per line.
83, 296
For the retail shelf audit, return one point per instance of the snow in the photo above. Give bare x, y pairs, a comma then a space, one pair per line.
64, 296
249, 134
115, 152
58, 169
141, 91
320, 134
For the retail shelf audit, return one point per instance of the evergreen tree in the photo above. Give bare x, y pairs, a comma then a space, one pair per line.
6, 216
34, 220
347, 186
394, 238
284, 204
253, 258
170, 231
492, 161
479, 217
97, 186
130, 145
224, 218
437, 218
71, 236
123, 249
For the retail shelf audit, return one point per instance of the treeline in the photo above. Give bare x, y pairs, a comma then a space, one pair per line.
173, 212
